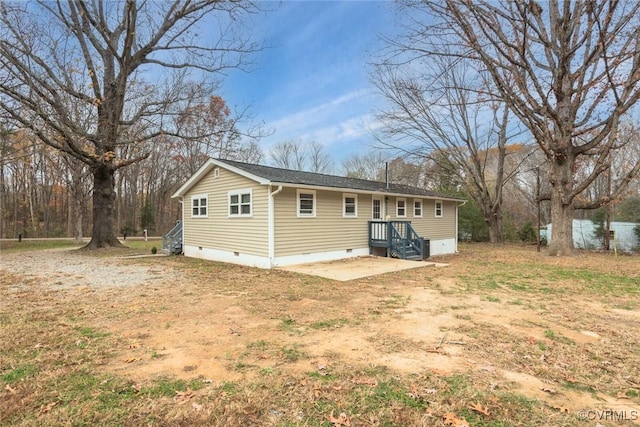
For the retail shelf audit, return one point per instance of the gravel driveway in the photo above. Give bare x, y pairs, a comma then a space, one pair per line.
65, 268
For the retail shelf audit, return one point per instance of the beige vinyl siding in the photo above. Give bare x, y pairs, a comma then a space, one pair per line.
246, 235
327, 231
429, 226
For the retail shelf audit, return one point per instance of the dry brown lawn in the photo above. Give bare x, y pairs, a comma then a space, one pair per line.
503, 336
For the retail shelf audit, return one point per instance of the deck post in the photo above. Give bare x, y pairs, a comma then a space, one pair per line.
389, 233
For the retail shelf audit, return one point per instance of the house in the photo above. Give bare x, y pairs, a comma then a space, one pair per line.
268, 217
623, 237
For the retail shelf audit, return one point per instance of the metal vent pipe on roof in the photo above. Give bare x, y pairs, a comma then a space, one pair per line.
386, 174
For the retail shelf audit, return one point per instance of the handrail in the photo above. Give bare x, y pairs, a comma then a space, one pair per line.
173, 239
400, 237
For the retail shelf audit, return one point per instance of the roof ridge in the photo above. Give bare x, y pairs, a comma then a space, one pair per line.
300, 171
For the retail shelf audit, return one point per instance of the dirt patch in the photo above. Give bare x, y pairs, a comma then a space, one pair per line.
520, 329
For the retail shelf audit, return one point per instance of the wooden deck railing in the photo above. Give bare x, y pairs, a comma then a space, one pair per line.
398, 237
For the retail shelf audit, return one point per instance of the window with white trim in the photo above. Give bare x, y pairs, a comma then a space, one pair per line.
439, 209
376, 210
417, 208
306, 203
350, 205
401, 208
240, 203
199, 206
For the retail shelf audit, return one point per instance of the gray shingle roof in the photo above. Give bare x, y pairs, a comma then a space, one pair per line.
287, 176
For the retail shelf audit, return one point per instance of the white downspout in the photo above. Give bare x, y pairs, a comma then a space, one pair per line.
457, 225
272, 225
181, 200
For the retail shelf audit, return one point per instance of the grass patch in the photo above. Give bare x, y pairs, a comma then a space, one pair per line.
523, 277
395, 301
10, 246
19, 373
550, 334
329, 324
292, 354
92, 333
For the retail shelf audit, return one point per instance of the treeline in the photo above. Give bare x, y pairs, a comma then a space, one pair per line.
45, 193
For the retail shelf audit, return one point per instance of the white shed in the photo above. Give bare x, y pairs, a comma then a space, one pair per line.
624, 236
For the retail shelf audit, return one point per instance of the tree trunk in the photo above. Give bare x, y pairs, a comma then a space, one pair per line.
78, 207
561, 206
104, 197
3, 217
494, 221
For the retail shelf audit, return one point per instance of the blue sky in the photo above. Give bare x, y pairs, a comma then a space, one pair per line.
312, 81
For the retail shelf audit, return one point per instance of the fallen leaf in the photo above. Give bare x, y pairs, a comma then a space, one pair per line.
196, 407
9, 389
183, 397
48, 408
450, 419
477, 407
366, 381
316, 389
342, 420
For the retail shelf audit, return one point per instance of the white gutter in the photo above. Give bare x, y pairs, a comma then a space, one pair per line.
359, 191
272, 224
457, 220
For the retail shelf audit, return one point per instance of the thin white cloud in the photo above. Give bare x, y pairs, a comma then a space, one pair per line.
357, 128
311, 117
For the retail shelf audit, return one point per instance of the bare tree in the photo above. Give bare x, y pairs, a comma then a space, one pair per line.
129, 63
441, 113
319, 159
569, 70
281, 154
369, 166
296, 155
250, 152
209, 130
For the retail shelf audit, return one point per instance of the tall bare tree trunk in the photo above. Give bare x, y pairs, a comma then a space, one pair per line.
494, 221
561, 205
104, 197
3, 218
78, 207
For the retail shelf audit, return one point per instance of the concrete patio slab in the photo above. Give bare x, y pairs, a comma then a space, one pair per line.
357, 268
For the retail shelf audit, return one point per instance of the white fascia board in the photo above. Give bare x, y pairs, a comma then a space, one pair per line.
358, 191
206, 168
